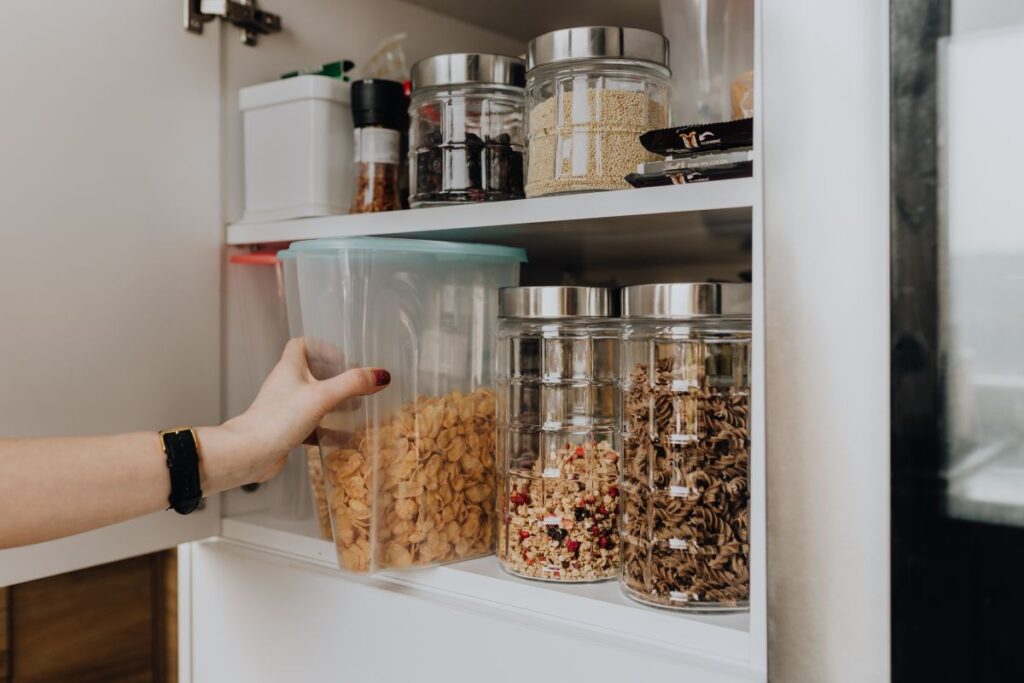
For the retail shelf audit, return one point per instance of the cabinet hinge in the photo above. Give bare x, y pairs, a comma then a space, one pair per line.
241, 13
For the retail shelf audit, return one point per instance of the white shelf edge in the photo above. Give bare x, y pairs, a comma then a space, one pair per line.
711, 196
720, 642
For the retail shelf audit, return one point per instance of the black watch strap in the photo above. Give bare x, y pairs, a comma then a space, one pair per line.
182, 451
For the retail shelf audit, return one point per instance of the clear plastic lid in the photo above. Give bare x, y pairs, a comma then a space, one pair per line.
443, 250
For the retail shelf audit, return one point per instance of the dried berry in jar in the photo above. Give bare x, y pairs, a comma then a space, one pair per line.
553, 528
475, 170
466, 128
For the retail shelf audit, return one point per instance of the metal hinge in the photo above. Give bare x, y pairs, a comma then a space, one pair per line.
242, 13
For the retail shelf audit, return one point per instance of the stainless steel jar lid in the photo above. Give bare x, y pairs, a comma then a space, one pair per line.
686, 300
590, 42
554, 302
459, 68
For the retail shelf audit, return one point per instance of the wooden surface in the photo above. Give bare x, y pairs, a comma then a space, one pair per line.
4, 658
170, 615
111, 623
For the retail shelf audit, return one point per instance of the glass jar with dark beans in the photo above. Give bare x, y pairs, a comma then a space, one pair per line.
466, 132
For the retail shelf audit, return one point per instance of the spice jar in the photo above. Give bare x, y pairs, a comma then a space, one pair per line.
466, 129
590, 93
557, 442
686, 445
377, 119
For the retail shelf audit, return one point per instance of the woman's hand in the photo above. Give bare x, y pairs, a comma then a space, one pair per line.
254, 446
91, 481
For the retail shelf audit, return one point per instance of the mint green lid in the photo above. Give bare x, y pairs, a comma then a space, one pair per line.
333, 245
285, 254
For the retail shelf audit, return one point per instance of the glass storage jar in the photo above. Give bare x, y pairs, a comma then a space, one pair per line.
590, 93
376, 117
686, 445
466, 129
557, 388
409, 472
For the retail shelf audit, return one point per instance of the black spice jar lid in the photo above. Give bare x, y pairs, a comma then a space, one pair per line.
376, 102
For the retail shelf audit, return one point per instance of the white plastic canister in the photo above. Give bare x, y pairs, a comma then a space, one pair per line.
298, 148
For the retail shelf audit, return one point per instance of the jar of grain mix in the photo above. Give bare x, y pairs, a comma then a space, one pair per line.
557, 441
686, 445
466, 129
590, 93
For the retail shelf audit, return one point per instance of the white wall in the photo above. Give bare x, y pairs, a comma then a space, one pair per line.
826, 122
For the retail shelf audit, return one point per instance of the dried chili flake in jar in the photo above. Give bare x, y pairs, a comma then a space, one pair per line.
377, 116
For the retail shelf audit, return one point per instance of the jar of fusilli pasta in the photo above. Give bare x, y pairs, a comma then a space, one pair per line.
685, 523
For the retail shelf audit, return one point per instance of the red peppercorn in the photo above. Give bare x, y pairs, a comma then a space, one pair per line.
613, 491
579, 450
523, 534
602, 510
572, 545
595, 530
604, 542
518, 498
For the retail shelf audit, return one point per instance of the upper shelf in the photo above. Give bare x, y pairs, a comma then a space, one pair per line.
703, 223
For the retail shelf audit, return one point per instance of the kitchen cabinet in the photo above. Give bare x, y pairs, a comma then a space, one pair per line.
103, 623
141, 155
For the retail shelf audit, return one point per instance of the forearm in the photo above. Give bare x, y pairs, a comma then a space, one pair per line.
55, 487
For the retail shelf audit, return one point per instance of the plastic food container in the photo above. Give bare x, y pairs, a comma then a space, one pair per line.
409, 471
297, 147
257, 295
686, 445
308, 456
590, 93
466, 129
558, 448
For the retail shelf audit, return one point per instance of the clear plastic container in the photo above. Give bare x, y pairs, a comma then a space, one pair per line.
308, 457
466, 129
590, 93
257, 288
712, 46
558, 452
409, 471
686, 445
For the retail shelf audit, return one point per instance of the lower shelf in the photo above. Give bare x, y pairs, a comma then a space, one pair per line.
599, 609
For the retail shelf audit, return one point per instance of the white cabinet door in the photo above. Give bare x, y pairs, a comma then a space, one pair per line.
110, 218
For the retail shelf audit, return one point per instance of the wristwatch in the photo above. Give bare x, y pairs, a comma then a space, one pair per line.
182, 450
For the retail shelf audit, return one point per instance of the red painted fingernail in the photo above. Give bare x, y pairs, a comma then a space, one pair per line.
381, 377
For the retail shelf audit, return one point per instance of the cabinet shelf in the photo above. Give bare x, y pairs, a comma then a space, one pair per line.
721, 641
703, 223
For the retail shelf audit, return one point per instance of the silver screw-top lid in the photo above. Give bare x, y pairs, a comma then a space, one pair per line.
459, 68
554, 302
589, 42
686, 300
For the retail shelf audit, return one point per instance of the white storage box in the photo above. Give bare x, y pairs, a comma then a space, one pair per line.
298, 148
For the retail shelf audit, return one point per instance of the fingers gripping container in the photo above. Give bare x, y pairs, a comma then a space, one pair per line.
309, 455
257, 293
409, 471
